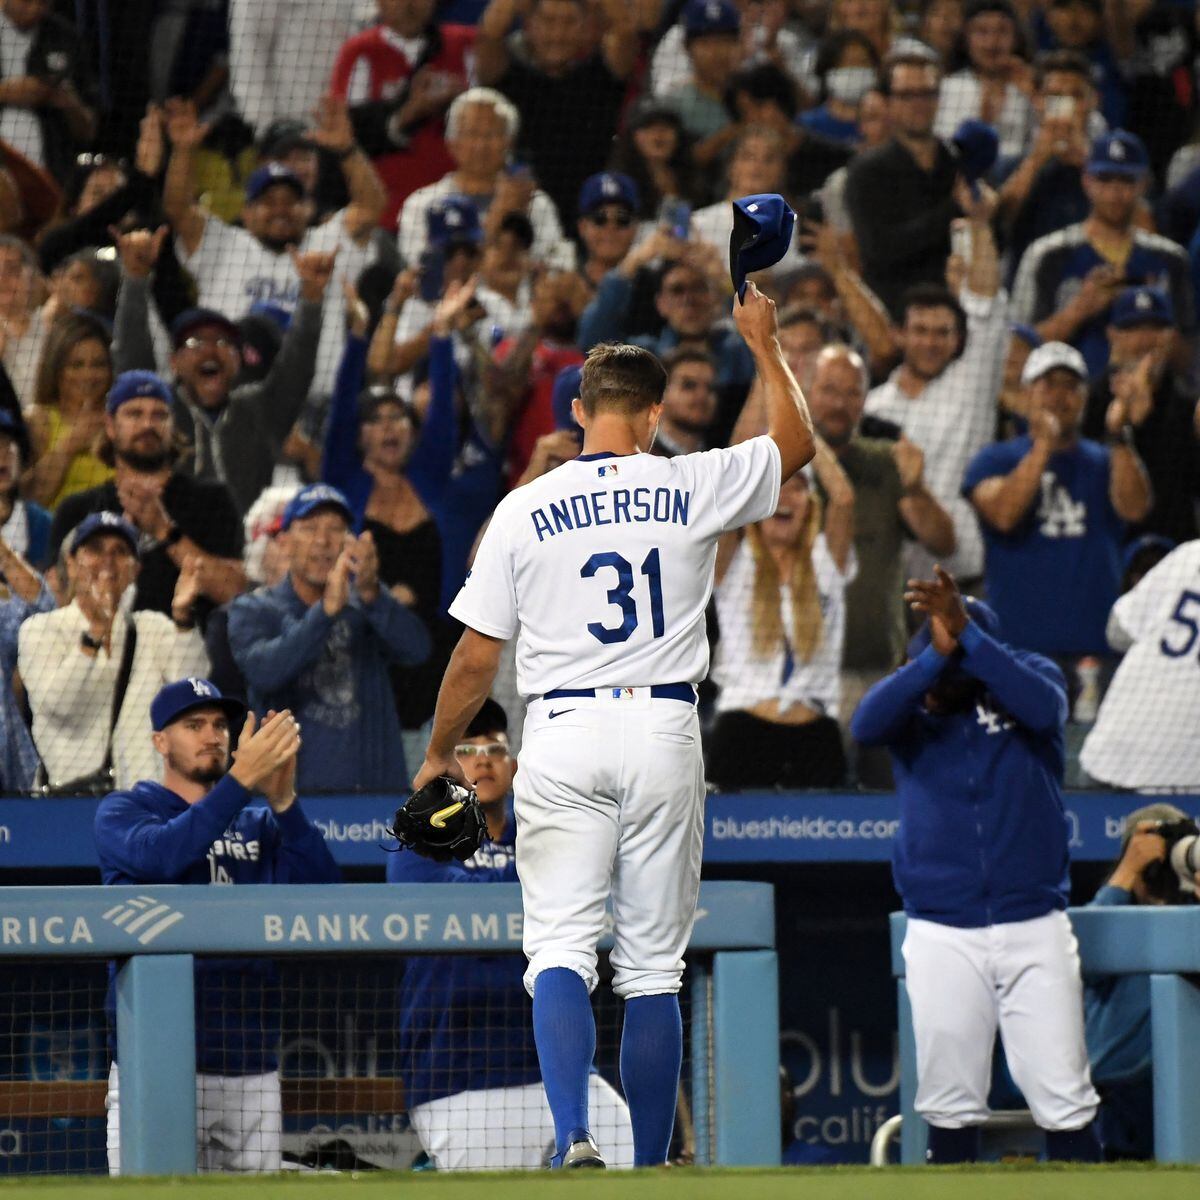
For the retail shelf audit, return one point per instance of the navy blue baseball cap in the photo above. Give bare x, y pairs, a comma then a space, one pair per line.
704, 17
317, 495
184, 695
454, 219
982, 614
196, 318
1141, 306
1146, 544
608, 187
1119, 153
267, 177
975, 147
566, 388
104, 522
137, 385
762, 233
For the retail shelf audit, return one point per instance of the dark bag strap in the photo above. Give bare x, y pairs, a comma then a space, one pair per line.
122, 685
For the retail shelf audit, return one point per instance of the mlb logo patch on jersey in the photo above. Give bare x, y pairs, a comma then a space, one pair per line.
611, 469
622, 693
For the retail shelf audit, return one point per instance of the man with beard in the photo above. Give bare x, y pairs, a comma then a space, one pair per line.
236, 432
976, 733
689, 403
176, 516
1067, 281
943, 394
195, 827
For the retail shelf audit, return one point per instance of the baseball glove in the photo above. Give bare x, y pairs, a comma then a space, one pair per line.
442, 820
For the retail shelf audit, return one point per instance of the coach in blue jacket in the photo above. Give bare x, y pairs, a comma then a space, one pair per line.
975, 730
195, 827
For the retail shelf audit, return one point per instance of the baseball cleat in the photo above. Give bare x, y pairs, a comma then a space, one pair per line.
582, 1153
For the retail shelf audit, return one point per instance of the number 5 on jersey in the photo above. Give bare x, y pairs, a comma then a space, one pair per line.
622, 594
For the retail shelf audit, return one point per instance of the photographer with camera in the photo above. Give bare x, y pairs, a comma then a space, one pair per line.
1157, 865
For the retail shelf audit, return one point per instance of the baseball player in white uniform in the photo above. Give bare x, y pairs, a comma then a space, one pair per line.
603, 569
1146, 734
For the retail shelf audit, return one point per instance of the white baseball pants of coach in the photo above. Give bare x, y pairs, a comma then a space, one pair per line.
239, 1122
609, 799
1020, 977
511, 1129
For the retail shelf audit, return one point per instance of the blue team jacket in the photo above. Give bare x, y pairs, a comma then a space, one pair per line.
466, 1022
150, 835
983, 836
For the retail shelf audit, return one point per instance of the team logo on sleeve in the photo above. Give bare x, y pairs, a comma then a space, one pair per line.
610, 469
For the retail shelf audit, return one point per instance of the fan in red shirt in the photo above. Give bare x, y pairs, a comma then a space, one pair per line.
399, 77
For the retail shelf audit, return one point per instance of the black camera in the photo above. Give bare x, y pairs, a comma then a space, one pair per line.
1176, 873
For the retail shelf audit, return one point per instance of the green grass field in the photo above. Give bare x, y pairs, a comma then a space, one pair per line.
839, 1183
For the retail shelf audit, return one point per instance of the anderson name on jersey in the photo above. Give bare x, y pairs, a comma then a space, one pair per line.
597, 564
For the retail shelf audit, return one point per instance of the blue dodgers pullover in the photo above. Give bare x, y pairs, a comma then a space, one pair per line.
150, 835
332, 672
983, 836
466, 1021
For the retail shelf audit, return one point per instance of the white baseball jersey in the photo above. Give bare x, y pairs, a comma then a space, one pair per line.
234, 270
1146, 734
606, 564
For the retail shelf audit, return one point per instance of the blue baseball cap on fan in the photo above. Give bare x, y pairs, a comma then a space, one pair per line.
982, 614
704, 17
1142, 306
267, 177
608, 187
184, 695
975, 147
762, 234
317, 495
1119, 153
566, 388
454, 219
137, 385
97, 523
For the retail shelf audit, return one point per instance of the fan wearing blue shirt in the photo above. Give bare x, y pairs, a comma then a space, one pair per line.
196, 827
471, 1075
1052, 506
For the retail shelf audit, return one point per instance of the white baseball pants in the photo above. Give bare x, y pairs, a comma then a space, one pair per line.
609, 800
239, 1122
510, 1128
1020, 977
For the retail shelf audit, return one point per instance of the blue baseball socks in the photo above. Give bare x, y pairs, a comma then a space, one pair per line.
565, 1032
651, 1055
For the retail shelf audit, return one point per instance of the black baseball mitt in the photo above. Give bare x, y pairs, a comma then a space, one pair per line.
442, 820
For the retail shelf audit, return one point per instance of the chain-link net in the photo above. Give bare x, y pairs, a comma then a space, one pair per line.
351, 1064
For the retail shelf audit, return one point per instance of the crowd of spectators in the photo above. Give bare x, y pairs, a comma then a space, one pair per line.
292, 293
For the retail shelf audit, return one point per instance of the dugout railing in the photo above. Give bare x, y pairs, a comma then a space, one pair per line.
1161, 942
155, 933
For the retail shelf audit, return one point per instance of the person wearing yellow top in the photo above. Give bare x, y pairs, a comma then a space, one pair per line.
67, 418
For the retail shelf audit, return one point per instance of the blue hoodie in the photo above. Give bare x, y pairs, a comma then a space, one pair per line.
151, 835
466, 1022
983, 836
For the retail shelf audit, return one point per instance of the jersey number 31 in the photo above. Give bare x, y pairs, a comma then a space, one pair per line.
622, 594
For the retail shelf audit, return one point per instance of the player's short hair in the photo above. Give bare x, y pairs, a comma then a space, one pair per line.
490, 719
624, 379
499, 103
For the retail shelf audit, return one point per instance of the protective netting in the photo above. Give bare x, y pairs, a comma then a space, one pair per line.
349, 264
351, 1064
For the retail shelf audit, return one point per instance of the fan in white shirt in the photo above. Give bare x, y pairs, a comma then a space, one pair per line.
236, 267
780, 599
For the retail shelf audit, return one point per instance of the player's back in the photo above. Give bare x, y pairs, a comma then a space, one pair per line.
606, 564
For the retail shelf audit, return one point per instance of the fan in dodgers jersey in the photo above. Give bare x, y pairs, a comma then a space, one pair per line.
606, 565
